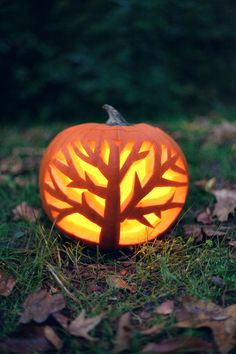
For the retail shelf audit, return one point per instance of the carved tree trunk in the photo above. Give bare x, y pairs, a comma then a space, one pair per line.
109, 237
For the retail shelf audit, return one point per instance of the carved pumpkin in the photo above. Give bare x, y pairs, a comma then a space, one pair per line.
113, 185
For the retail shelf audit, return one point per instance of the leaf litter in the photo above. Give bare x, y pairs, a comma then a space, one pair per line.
226, 203
122, 339
25, 212
222, 321
39, 305
7, 284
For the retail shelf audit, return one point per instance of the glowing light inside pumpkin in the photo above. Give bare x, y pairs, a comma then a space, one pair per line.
148, 205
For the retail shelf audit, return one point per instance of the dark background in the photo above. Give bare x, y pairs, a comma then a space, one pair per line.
62, 60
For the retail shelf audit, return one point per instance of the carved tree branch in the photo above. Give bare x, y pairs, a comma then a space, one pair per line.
134, 155
156, 180
92, 159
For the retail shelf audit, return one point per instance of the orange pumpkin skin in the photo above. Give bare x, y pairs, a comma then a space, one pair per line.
113, 186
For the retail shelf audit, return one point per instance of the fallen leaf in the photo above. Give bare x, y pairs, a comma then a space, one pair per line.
52, 337
200, 232
123, 334
215, 231
23, 181
223, 132
226, 203
224, 331
194, 311
232, 243
80, 326
222, 321
194, 231
156, 329
29, 339
40, 305
61, 319
204, 217
11, 164
26, 212
119, 283
6, 284
177, 344
166, 308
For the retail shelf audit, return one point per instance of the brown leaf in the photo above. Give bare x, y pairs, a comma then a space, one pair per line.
198, 313
40, 305
61, 319
123, 334
200, 232
11, 164
6, 284
156, 329
29, 339
195, 311
26, 212
177, 344
223, 132
224, 331
232, 243
226, 203
80, 326
119, 283
23, 181
204, 217
214, 231
194, 231
166, 308
52, 337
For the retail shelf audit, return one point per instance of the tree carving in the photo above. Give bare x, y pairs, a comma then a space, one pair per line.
111, 217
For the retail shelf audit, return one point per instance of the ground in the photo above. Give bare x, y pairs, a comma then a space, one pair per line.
134, 280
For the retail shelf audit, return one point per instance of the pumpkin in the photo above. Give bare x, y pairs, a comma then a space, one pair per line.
113, 184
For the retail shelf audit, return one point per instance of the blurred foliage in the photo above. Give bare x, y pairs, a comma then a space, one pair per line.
64, 59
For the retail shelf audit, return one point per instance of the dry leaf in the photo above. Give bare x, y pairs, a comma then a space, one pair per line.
177, 344
224, 331
214, 231
26, 212
198, 313
195, 311
200, 233
29, 339
52, 337
204, 217
61, 319
23, 181
40, 305
232, 243
123, 334
156, 329
119, 283
226, 203
6, 284
11, 164
80, 326
194, 231
166, 308
223, 132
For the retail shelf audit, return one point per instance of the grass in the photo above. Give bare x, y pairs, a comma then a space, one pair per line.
38, 256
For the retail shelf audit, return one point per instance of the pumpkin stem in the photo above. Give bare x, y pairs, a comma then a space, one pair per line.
115, 118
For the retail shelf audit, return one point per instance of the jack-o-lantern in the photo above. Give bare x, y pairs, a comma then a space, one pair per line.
113, 184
